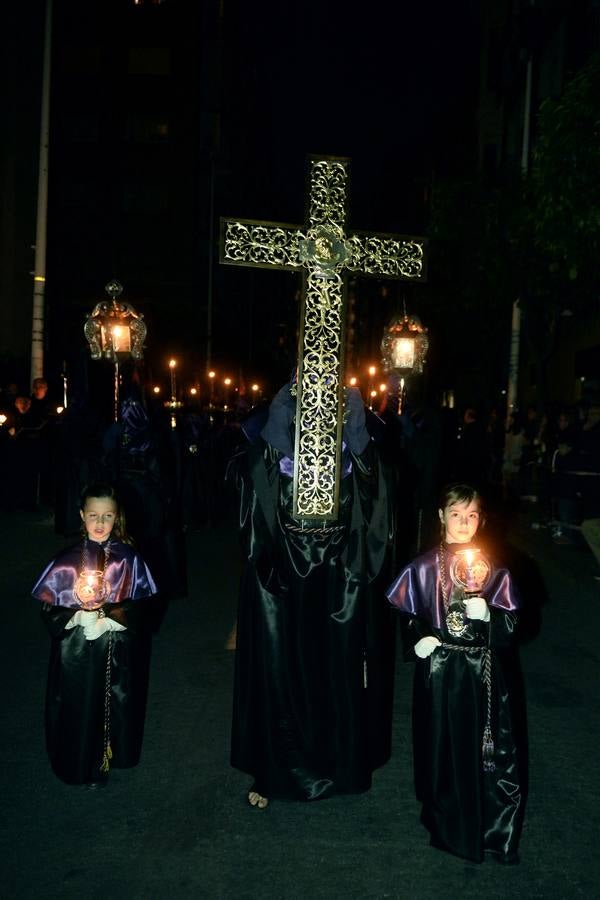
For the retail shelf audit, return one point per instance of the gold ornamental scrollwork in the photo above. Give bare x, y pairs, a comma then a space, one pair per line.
328, 193
325, 252
270, 246
317, 410
383, 256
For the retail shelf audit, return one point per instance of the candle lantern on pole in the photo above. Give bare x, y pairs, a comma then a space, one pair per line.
227, 384
172, 367
404, 351
173, 404
116, 332
211, 376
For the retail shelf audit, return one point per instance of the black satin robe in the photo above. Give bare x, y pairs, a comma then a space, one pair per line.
466, 810
76, 687
314, 662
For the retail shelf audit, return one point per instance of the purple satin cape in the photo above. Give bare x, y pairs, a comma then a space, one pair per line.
126, 574
417, 590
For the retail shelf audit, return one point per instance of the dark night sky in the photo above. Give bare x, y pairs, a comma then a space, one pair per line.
393, 86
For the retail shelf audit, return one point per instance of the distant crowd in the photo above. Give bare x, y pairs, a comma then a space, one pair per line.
49, 453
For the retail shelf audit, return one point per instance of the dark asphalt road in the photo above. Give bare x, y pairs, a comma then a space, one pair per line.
178, 826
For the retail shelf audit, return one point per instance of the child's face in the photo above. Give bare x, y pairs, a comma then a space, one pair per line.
98, 515
461, 521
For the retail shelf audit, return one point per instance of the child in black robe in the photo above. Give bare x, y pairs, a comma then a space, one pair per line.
459, 624
95, 606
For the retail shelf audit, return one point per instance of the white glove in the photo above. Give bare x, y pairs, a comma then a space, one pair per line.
477, 608
100, 626
426, 646
82, 617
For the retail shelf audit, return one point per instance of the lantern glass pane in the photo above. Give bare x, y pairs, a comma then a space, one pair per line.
121, 338
403, 353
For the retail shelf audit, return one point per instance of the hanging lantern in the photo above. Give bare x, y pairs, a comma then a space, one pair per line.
114, 329
404, 345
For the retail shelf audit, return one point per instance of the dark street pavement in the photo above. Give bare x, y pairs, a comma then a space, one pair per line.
178, 826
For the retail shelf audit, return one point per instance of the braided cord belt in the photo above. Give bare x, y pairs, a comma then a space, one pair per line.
107, 749
298, 529
487, 748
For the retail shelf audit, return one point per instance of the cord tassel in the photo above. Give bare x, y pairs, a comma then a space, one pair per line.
106, 758
487, 749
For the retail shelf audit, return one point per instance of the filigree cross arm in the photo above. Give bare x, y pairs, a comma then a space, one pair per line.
388, 256
266, 245
328, 186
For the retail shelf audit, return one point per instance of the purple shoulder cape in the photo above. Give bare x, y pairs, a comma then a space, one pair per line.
126, 574
417, 590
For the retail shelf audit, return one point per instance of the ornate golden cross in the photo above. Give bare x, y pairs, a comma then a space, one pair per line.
324, 253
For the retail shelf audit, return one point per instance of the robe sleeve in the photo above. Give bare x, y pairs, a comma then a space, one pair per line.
503, 629
503, 603
374, 508
55, 618
135, 617
412, 629
255, 476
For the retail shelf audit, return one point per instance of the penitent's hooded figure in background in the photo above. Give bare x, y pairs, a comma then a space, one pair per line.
315, 642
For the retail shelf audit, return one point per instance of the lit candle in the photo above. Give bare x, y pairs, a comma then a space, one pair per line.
121, 339
471, 585
403, 355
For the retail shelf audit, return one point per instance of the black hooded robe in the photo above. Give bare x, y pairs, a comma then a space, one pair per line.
315, 642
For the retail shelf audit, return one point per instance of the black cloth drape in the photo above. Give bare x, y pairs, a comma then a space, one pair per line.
315, 645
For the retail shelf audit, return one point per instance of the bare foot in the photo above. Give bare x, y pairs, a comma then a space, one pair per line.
231, 642
257, 800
